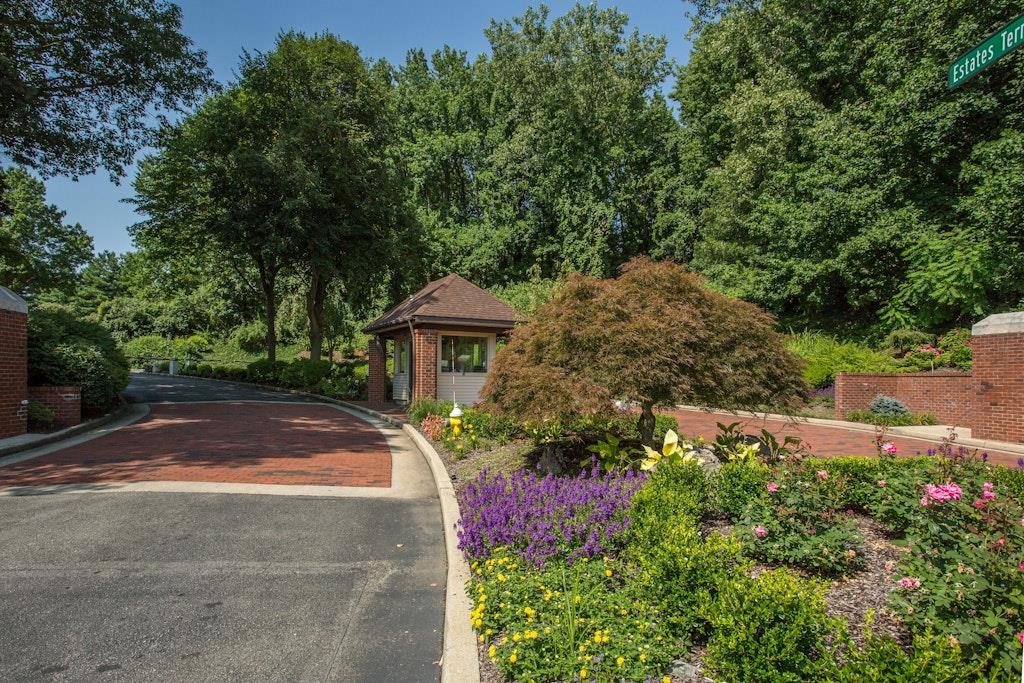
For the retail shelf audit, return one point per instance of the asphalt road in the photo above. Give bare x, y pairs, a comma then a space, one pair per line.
134, 586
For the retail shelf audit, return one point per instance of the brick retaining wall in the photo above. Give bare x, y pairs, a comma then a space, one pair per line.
947, 395
65, 402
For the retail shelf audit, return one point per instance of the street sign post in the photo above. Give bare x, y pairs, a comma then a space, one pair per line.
999, 44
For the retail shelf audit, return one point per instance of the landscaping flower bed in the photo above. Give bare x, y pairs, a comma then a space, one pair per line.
845, 569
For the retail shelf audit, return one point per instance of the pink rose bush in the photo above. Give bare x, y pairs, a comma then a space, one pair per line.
772, 486
760, 531
889, 448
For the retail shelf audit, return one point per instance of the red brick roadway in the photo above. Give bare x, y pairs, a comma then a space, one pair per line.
821, 440
236, 442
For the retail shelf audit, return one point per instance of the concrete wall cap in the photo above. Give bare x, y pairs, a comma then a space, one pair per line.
9, 301
1000, 323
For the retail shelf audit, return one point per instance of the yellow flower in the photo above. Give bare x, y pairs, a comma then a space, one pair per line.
577, 599
583, 673
666, 679
513, 657
619, 661
607, 572
492, 651
529, 611
480, 638
643, 658
516, 637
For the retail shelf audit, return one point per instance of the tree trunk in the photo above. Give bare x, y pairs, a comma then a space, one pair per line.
315, 297
645, 424
268, 282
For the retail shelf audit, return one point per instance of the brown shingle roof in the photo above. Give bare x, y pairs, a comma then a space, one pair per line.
450, 300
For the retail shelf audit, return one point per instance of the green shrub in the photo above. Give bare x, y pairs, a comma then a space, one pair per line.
251, 337
422, 407
931, 658
303, 373
40, 417
66, 351
859, 474
671, 564
737, 484
955, 346
143, 349
163, 366
204, 370
191, 348
825, 356
899, 342
671, 493
905, 420
772, 628
342, 385
263, 371
566, 623
888, 406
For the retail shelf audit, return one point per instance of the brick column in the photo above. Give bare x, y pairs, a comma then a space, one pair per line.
13, 363
998, 374
376, 382
424, 344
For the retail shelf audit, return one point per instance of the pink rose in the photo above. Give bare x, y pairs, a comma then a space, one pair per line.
822, 475
889, 447
978, 503
988, 486
1001, 542
1021, 566
760, 531
881, 483
941, 493
909, 582
1020, 637
772, 487
988, 495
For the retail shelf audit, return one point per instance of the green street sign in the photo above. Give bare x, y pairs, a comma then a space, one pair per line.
1004, 41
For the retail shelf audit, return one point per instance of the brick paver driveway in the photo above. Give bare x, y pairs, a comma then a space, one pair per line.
237, 442
172, 553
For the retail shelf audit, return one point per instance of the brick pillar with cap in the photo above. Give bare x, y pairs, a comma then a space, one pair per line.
998, 376
376, 382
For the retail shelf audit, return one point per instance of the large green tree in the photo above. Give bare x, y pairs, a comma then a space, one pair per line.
38, 250
545, 158
836, 176
80, 80
342, 183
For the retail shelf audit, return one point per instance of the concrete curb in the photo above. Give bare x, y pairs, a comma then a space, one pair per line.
459, 663
905, 432
67, 433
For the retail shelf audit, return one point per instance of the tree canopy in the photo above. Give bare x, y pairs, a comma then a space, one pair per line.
79, 80
654, 336
38, 250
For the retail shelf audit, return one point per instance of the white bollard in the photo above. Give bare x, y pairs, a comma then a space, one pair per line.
173, 367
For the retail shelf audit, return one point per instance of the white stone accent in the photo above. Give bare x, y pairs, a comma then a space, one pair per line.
1000, 323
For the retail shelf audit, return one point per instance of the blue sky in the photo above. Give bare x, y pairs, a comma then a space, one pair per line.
382, 29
